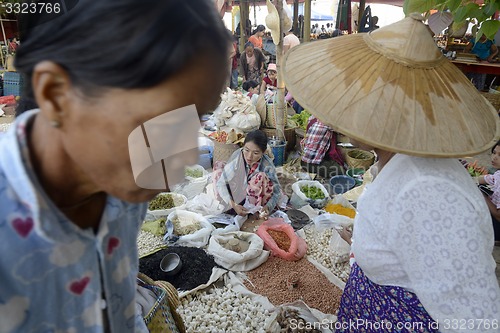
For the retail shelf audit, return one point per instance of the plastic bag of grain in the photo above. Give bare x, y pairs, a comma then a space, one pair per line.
280, 238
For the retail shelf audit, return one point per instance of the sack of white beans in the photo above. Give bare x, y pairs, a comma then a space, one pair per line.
238, 251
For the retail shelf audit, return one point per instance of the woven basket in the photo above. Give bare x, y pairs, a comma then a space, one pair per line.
163, 317
299, 135
289, 136
357, 158
494, 99
222, 151
271, 114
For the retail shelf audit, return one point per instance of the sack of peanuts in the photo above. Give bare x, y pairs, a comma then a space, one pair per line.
238, 251
281, 240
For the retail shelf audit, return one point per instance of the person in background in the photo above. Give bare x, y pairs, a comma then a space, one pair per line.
336, 33
317, 29
13, 45
250, 176
486, 50
270, 82
256, 38
290, 41
70, 207
493, 200
374, 23
320, 152
251, 90
422, 239
252, 63
329, 29
235, 56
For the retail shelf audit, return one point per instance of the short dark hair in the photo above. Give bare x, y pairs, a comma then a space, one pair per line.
121, 44
249, 84
259, 138
259, 28
493, 148
247, 44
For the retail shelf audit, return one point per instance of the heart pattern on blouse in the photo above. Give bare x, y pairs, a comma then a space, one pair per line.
113, 243
77, 287
23, 226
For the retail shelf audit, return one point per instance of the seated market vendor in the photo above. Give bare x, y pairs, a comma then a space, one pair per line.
486, 50
320, 152
250, 176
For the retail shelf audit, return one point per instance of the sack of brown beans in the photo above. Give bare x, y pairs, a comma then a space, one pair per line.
280, 239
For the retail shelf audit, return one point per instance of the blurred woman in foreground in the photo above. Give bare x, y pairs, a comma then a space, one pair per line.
70, 208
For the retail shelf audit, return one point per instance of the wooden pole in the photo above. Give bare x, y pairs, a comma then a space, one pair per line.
362, 4
244, 13
296, 17
307, 20
6, 44
280, 104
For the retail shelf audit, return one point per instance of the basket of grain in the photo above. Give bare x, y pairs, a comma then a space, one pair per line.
357, 158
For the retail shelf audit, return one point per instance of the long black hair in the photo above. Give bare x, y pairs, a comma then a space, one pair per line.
259, 138
249, 84
120, 43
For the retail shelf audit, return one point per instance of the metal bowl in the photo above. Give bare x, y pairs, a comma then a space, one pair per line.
171, 264
298, 218
341, 184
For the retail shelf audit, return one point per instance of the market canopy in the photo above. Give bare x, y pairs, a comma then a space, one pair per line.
316, 16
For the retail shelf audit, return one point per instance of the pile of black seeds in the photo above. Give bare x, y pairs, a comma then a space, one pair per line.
196, 267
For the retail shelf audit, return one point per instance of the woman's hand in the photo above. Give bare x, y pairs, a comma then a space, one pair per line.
345, 235
240, 210
264, 213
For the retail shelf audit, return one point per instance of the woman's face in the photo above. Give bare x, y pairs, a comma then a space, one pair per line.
95, 130
254, 90
252, 153
249, 51
272, 74
495, 157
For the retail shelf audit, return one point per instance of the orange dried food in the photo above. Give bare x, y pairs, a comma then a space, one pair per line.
281, 239
341, 210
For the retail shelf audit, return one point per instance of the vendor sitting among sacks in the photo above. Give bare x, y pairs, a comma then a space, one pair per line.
320, 152
249, 177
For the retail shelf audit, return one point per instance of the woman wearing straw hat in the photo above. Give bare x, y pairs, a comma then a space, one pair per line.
422, 239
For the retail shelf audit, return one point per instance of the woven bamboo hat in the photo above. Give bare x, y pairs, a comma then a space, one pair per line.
273, 22
392, 89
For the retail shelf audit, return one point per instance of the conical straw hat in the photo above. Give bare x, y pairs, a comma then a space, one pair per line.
392, 89
273, 21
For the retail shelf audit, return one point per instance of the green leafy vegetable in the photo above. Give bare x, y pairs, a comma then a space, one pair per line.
301, 119
194, 173
312, 192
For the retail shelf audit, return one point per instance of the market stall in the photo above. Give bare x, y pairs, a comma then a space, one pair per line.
483, 67
249, 274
